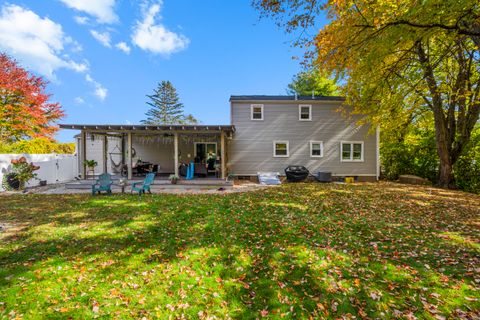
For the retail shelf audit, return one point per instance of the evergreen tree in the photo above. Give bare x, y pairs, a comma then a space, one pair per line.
166, 107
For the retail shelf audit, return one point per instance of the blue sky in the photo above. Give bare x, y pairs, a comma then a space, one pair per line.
103, 56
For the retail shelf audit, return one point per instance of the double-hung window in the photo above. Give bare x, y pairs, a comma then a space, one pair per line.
351, 151
280, 149
316, 149
256, 112
304, 112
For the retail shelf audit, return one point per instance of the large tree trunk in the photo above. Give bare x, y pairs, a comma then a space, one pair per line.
445, 178
445, 174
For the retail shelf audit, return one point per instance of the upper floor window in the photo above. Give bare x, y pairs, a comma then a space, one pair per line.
316, 149
280, 149
304, 112
256, 111
351, 151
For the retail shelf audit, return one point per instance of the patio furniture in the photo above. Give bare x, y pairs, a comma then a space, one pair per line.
296, 173
201, 170
144, 185
323, 176
103, 183
122, 183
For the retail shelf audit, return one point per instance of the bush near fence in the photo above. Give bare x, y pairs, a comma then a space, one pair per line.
54, 168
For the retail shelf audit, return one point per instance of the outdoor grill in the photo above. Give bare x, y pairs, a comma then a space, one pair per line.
296, 173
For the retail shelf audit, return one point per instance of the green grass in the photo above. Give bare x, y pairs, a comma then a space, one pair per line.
297, 251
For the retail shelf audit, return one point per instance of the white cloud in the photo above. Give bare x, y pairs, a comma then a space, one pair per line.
100, 91
124, 47
38, 43
81, 20
150, 35
102, 37
79, 100
102, 10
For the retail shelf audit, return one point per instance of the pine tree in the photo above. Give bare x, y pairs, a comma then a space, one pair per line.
166, 107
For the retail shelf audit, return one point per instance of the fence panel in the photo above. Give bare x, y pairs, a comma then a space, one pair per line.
54, 168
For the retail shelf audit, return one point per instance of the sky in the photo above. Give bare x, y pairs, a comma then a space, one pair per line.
102, 57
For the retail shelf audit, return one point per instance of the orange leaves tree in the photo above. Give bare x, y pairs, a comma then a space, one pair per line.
398, 58
25, 110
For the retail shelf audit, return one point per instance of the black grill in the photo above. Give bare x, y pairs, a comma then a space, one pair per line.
296, 173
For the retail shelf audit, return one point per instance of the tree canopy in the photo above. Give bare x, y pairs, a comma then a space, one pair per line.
166, 107
25, 109
399, 58
310, 82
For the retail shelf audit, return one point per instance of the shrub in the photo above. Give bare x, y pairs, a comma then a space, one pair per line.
467, 169
37, 146
416, 155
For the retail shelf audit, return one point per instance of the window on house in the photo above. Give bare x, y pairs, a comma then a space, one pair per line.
257, 111
280, 149
304, 112
316, 149
352, 151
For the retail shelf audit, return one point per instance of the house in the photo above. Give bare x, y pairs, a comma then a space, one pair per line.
266, 133
272, 132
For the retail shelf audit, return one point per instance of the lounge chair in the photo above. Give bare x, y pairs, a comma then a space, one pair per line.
144, 185
103, 183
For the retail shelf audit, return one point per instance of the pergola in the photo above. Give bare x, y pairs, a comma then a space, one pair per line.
224, 131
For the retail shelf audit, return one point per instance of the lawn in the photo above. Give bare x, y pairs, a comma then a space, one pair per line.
298, 251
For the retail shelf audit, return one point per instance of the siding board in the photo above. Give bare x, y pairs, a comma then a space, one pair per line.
251, 149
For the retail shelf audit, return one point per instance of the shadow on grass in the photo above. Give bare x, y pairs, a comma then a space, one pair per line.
297, 251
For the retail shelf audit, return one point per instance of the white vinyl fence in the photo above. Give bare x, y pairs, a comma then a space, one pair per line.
54, 168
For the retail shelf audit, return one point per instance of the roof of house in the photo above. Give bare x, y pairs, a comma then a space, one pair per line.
285, 98
140, 127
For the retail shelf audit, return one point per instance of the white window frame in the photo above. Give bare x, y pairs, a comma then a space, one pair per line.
275, 149
309, 106
204, 142
251, 111
312, 142
351, 143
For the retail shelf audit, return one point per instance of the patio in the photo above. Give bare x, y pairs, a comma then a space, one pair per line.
164, 149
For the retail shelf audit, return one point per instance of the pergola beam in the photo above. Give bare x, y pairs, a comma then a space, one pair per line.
223, 154
84, 154
175, 150
129, 155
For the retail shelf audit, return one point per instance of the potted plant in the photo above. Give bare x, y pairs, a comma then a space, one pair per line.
22, 172
91, 164
173, 179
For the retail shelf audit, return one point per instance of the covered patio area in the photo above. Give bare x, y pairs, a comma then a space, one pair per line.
130, 151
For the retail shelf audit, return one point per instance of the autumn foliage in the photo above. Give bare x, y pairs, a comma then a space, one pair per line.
25, 109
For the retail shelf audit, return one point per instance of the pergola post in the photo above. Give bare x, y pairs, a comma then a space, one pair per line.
175, 148
223, 154
105, 149
84, 155
129, 155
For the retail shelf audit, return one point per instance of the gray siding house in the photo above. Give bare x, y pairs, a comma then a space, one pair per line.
266, 134
273, 132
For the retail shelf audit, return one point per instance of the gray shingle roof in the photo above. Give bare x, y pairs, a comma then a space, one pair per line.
285, 98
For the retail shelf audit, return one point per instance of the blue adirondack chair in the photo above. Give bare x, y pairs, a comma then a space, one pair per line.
103, 183
144, 185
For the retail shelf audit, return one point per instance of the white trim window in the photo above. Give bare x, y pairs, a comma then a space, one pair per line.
256, 112
305, 112
281, 149
316, 149
351, 151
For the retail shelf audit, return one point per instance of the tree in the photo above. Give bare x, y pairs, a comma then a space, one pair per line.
400, 56
310, 82
25, 110
166, 107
